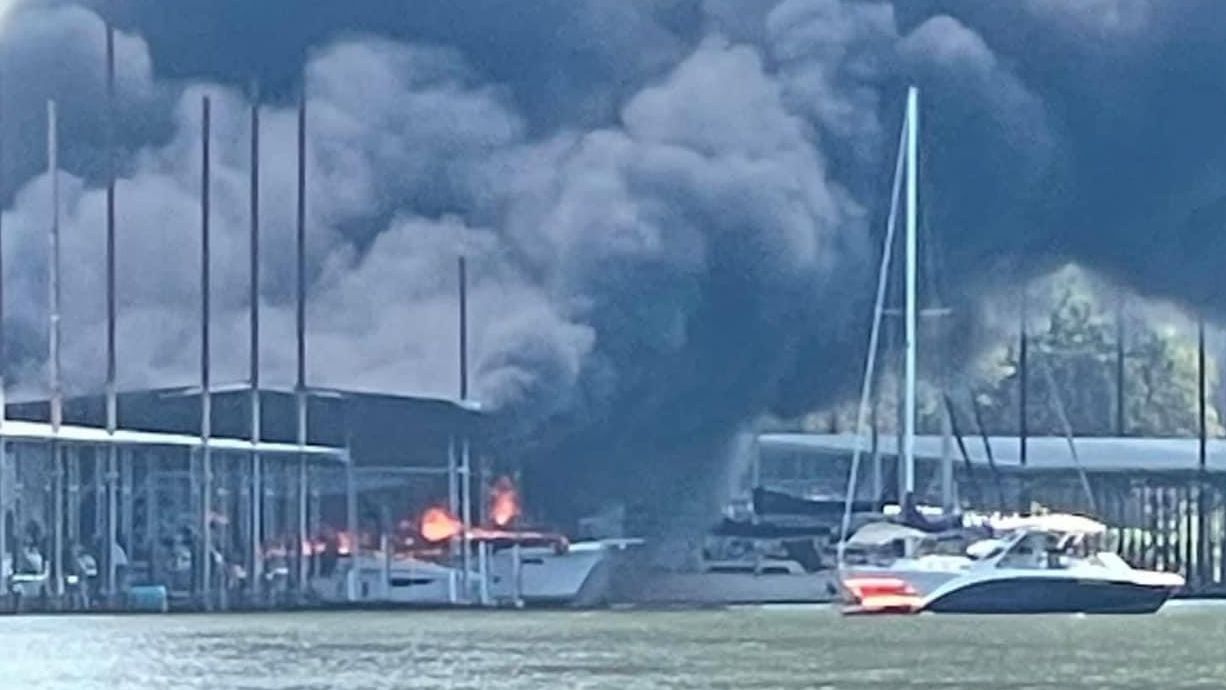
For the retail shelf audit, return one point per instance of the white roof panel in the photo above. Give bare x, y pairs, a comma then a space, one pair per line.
70, 433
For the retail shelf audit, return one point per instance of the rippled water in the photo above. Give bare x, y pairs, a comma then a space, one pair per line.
1183, 646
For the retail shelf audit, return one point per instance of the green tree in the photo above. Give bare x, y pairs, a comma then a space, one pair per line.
1072, 373
1072, 370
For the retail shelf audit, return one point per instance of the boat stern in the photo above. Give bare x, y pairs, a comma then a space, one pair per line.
866, 595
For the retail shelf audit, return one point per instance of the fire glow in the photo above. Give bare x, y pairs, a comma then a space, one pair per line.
439, 525
504, 502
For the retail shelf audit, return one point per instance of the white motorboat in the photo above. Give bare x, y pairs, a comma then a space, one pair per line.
1054, 563
576, 575
399, 580
534, 574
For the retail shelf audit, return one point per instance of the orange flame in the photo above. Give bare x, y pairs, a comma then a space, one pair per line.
344, 543
504, 502
439, 525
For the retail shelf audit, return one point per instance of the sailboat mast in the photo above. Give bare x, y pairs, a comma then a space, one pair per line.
870, 363
908, 447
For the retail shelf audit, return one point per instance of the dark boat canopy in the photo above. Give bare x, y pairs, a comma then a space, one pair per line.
767, 502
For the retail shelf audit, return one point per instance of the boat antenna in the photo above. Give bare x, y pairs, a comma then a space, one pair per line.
870, 363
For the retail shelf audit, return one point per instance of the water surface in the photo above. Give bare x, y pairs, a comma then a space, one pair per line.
1182, 647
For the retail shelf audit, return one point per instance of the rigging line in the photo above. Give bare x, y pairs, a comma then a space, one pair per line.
987, 448
1057, 402
966, 457
883, 280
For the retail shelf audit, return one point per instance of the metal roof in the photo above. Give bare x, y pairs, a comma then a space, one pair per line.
379, 429
19, 430
1103, 454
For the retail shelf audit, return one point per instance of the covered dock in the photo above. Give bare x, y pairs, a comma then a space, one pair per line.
239, 529
1165, 498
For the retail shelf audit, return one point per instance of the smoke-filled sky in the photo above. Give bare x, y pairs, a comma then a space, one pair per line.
671, 205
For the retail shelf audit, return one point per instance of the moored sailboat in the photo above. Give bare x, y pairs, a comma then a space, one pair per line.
1021, 564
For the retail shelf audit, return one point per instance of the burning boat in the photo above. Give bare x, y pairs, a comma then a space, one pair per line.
444, 563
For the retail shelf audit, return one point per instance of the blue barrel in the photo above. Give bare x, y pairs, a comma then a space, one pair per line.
148, 598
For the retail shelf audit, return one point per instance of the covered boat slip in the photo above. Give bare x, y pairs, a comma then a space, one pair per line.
1163, 509
86, 514
212, 525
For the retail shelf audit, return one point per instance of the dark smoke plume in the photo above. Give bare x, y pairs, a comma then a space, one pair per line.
672, 207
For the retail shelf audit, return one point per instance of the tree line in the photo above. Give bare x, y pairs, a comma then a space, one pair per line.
1083, 343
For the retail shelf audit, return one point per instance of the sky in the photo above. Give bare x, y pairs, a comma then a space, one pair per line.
672, 207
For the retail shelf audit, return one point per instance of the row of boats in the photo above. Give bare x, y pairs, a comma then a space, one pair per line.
893, 561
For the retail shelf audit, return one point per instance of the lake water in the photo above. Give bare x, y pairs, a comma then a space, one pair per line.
1182, 647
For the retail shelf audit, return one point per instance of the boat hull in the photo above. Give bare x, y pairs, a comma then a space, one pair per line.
1009, 595
664, 588
578, 577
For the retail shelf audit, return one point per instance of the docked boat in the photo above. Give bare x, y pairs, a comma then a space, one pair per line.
734, 581
535, 572
913, 562
398, 580
572, 575
775, 550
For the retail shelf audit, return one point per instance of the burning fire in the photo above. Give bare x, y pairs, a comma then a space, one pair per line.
439, 525
344, 543
504, 502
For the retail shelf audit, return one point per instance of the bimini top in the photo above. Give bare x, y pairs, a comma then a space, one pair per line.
1063, 523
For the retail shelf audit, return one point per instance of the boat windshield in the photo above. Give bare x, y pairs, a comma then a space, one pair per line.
1055, 550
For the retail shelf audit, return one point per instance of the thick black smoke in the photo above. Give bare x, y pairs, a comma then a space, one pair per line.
672, 206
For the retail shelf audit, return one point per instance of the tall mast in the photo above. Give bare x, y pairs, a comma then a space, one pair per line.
300, 287
257, 463
870, 363
206, 395
908, 449
463, 323
53, 359
56, 404
300, 386
112, 396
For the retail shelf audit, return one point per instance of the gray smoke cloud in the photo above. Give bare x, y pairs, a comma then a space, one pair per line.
671, 207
